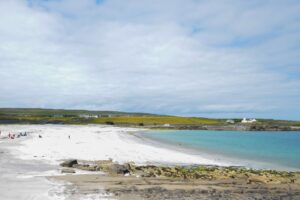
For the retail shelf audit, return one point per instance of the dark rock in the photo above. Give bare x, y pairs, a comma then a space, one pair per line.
69, 163
68, 171
87, 167
130, 166
119, 169
109, 123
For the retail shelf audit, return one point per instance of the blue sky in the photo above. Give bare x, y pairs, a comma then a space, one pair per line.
226, 58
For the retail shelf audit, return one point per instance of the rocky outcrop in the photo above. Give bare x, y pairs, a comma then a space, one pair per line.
237, 127
130, 181
68, 171
207, 173
270, 128
258, 179
112, 168
119, 169
69, 163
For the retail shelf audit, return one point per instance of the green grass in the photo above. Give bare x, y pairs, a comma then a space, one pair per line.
157, 120
279, 122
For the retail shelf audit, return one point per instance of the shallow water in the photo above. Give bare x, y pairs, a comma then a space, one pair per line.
274, 148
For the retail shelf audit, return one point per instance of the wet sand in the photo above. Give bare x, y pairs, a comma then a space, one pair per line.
30, 179
24, 179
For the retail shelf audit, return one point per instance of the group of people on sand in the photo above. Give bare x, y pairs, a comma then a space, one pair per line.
21, 134
13, 135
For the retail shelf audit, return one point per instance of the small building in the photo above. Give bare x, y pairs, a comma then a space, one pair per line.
167, 125
245, 120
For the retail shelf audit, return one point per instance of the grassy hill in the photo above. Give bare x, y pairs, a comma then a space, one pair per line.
38, 112
103, 117
61, 116
158, 120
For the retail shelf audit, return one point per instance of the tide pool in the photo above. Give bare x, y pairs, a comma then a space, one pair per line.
272, 148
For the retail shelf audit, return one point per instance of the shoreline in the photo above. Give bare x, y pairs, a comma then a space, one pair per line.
223, 160
86, 142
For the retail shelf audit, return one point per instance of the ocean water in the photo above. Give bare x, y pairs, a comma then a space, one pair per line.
277, 150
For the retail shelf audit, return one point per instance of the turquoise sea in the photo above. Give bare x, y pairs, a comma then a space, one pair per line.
277, 150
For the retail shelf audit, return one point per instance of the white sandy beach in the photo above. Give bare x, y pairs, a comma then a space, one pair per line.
36, 157
93, 142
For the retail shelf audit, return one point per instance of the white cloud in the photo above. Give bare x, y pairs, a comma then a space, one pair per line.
177, 57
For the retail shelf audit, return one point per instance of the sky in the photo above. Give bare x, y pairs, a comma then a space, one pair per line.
225, 58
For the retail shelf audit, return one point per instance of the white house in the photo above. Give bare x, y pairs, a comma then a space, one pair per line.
245, 120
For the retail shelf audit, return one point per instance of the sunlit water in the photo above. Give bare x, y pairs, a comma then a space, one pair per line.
275, 148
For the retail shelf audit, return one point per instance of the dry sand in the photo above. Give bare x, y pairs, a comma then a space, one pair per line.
96, 142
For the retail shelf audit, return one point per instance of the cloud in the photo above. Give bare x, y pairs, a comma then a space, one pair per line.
201, 58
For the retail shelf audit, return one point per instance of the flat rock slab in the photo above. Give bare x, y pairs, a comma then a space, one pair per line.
69, 163
68, 171
169, 188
